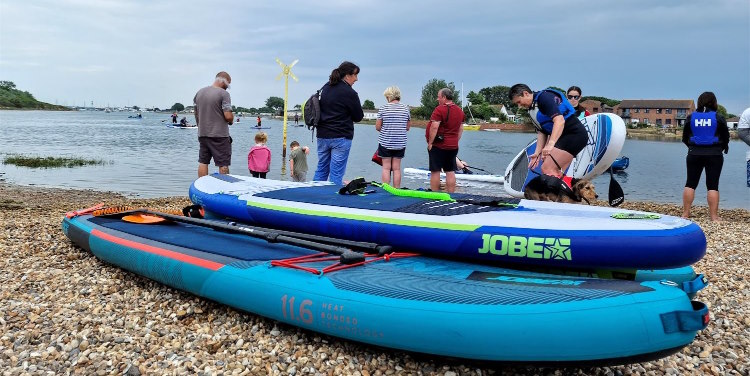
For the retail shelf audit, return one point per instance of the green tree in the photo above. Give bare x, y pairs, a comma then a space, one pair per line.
177, 107
368, 105
430, 90
7, 85
607, 101
723, 112
475, 98
275, 103
298, 107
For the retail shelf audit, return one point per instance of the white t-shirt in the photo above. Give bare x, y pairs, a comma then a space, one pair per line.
744, 119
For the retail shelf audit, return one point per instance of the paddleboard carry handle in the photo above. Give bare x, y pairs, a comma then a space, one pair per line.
686, 321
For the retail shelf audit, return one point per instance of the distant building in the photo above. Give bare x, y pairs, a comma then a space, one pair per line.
501, 108
732, 122
665, 113
595, 107
371, 114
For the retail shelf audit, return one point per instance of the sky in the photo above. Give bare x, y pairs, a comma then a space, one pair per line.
157, 53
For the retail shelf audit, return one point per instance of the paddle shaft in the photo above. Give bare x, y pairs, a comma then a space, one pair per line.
332, 246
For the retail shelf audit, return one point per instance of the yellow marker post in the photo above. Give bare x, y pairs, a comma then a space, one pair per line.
286, 71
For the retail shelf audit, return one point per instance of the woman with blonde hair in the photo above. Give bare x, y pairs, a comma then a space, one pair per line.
393, 123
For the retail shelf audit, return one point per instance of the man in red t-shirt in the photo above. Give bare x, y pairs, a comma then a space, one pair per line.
442, 134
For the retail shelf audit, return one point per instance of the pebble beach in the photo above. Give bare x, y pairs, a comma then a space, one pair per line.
65, 312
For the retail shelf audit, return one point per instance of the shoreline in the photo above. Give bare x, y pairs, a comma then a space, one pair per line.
64, 311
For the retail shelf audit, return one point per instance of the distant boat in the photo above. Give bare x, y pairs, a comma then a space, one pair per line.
471, 127
620, 163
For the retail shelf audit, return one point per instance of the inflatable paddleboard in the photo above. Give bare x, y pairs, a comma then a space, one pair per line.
406, 302
497, 231
260, 128
460, 175
181, 127
606, 137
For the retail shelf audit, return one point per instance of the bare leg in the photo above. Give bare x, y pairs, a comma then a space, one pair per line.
562, 157
202, 169
224, 170
396, 168
435, 180
688, 194
713, 205
385, 174
450, 181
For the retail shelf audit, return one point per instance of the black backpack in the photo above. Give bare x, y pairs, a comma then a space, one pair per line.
311, 110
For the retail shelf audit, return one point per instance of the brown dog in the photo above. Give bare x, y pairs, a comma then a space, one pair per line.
549, 188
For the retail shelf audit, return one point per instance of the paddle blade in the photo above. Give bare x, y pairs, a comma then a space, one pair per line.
616, 195
146, 219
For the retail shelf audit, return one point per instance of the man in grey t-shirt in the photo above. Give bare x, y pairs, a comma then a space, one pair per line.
213, 115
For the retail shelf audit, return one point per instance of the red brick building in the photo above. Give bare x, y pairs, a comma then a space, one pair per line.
660, 112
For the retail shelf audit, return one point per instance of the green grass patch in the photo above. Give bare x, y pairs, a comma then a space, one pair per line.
50, 162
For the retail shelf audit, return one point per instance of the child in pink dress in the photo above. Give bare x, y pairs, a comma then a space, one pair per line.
259, 157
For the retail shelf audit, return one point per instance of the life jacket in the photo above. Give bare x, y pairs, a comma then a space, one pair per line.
703, 125
542, 122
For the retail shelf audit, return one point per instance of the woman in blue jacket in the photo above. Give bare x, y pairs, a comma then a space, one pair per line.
339, 110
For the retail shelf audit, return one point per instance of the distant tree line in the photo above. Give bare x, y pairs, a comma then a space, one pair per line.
10, 97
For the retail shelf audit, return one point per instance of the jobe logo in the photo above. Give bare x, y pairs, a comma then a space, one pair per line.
529, 247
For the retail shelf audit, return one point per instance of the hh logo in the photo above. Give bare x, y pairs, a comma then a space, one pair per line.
703, 122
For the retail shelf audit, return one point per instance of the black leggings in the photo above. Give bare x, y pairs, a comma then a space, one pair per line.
695, 165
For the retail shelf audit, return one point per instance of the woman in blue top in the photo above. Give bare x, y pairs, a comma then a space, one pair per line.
560, 134
706, 135
339, 110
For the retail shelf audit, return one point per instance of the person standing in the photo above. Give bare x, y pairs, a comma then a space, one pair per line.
258, 126
213, 116
743, 127
174, 117
394, 120
442, 134
560, 134
706, 135
340, 108
298, 161
259, 157
574, 96
296, 118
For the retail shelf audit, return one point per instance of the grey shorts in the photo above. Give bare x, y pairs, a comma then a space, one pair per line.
218, 148
299, 176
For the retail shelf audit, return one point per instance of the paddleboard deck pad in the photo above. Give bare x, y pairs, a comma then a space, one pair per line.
518, 232
606, 136
412, 303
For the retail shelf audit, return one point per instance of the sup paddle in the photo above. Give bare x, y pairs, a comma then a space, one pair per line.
616, 195
334, 246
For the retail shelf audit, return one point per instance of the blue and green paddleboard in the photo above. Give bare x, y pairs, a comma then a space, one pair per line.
403, 301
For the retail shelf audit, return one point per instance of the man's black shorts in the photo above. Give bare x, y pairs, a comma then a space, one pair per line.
218, 148
442, 159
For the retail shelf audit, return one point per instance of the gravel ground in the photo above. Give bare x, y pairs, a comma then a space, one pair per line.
65, 312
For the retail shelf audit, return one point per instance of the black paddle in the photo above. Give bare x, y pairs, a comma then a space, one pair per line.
616, 195
328, 245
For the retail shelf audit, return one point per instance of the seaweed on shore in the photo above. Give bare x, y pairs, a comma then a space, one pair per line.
49, 162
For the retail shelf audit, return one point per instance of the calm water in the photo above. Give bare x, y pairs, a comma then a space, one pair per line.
147, 159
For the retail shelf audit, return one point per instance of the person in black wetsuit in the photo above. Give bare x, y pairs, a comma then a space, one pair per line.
706, 135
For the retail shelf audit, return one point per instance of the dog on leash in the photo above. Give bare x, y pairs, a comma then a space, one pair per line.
552, 188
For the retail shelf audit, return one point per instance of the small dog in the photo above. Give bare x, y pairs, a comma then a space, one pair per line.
551, 188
